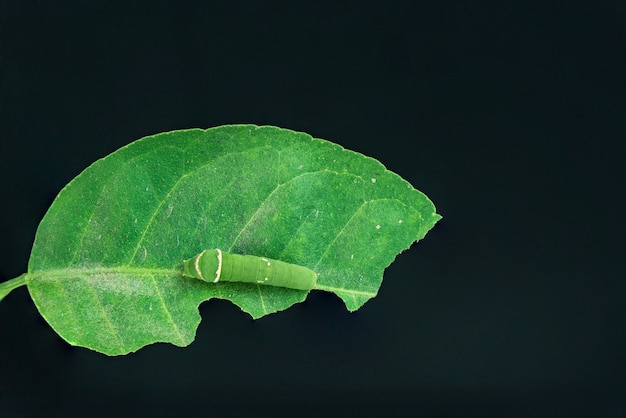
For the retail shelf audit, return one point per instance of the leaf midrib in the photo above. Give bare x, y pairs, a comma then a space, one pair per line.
54, 274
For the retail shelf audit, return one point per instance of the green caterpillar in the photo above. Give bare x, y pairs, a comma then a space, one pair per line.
216, 265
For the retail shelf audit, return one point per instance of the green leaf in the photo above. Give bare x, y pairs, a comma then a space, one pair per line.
105, 269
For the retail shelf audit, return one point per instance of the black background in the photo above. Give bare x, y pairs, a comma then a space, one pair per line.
510, 116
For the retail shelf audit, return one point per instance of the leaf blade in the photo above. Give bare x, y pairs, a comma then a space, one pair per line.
122, 228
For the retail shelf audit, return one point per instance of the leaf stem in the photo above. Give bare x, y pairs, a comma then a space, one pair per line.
9, 285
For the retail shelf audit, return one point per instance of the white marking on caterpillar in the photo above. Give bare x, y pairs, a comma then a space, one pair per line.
377, 226
195, 263
218, 273
400, 221
170, 208
373, 180
352, 257
267, 261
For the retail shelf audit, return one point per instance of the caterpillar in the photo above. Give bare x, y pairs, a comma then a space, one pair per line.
216, 265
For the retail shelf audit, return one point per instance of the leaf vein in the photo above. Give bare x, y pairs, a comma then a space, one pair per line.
171, 190
106, 317
351, 292
275, 190
167, 311
261, 299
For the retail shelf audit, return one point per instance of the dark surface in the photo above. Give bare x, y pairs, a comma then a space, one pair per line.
511, 117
